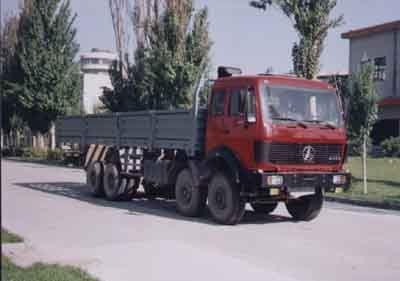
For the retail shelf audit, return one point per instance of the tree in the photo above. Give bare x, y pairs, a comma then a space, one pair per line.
171, 54
48, 86
311, 21
363, 110
178, 55
119, 9
10, 108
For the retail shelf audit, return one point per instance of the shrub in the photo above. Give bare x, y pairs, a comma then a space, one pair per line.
391, 147
11, 152
6, 152
355, 147
34, 153
56, 154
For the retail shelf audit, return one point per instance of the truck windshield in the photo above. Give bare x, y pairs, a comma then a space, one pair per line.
286, 104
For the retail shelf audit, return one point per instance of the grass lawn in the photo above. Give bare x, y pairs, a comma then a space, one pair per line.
37, 272
383, 180
41, 272
7, 237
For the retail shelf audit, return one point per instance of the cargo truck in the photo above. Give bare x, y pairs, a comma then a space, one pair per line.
261, 139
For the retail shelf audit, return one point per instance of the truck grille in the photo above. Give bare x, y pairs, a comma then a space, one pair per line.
293, 153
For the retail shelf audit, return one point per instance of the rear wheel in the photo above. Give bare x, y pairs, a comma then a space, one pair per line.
264, 208
112, 182
190, 200
306, 207
128, 188
224, 202
94, 179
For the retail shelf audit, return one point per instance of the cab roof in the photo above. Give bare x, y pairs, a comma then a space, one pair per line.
272, 79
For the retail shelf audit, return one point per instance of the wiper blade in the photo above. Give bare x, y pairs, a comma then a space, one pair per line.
299, 122
324, 123
284, 119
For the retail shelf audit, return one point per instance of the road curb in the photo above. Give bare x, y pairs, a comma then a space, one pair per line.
362, 203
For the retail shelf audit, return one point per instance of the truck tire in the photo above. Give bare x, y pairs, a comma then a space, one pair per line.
190, 200
128, 189
307, 207
112, 182
264, 208
224, 202
94, 179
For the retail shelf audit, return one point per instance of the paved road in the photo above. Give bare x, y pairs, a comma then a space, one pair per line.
145, 240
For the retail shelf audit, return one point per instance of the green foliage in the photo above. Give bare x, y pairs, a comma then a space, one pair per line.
41, 272
363, 108
11, 152
34, 153
165, 72
9, 73
30, 153
127, 93
8, 237
356, 146
311, 21
391, 147
383, 180
47, 83
55, 155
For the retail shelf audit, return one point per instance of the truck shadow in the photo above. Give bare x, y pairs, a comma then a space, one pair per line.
140, 205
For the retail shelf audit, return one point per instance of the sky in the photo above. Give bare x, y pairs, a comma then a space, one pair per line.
243, 36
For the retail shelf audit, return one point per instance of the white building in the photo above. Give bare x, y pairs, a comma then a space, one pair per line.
95, 67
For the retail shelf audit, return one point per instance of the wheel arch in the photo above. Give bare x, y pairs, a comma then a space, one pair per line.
223, 158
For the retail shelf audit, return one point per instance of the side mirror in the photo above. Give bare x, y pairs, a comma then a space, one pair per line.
250, 108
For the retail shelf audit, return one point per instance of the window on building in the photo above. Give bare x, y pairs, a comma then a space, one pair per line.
90, 61
380, 68
218, 103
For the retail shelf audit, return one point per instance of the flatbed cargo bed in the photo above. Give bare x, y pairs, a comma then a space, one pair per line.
178, 129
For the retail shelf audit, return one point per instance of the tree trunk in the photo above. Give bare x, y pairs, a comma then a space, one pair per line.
33, 141
364, 159
41, 141
52, 136
38, 141
2, 139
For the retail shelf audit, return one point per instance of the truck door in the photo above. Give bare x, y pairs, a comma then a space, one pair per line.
215, 126
240, 134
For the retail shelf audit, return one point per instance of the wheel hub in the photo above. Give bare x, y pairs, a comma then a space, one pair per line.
187, 193
220, 199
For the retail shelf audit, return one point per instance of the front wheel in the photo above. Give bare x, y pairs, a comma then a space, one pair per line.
224, 202
307, 207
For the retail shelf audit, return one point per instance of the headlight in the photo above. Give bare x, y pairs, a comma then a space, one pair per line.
275, 180
339, 179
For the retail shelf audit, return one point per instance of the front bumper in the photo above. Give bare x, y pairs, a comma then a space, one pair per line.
304, 182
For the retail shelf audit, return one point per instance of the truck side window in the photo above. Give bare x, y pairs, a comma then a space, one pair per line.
217, 103
237, 102
252, 98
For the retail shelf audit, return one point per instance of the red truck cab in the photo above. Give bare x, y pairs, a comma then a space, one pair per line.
286, 134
